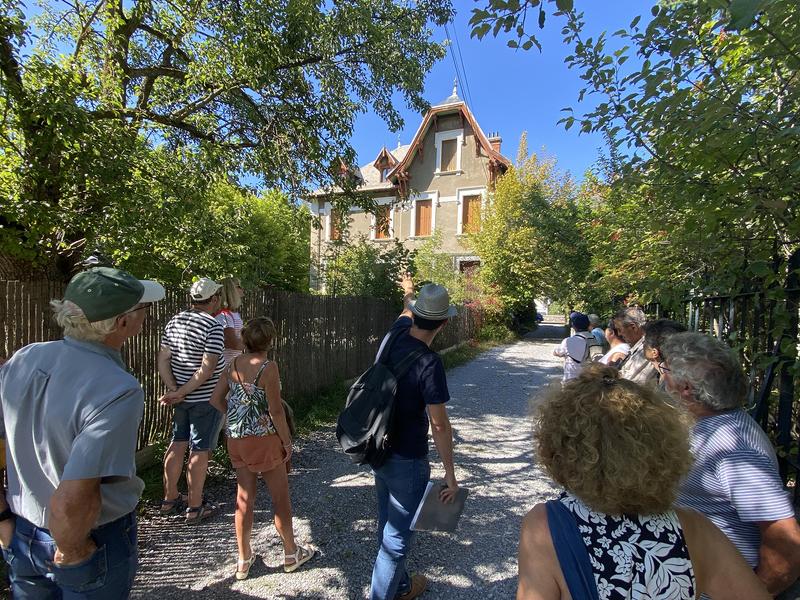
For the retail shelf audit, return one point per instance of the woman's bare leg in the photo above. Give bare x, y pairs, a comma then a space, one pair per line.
245, 503
278, 484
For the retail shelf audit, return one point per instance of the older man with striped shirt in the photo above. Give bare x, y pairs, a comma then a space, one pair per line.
735, 480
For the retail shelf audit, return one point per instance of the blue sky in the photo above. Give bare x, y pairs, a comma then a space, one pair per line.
513, 91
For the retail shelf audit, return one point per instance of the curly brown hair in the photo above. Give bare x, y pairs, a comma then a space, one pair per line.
618, 446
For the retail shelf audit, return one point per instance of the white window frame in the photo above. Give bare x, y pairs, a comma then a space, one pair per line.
461, 193
374, 221
453, 134
434, 198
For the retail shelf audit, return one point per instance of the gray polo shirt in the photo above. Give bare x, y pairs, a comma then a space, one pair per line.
71, 411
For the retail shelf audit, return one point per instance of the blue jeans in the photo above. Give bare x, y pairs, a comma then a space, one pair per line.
107, 574
400, 484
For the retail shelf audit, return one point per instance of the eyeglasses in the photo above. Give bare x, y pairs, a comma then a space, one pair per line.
145, 306
662, 366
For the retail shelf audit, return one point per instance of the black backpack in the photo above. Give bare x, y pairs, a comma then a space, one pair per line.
363, 426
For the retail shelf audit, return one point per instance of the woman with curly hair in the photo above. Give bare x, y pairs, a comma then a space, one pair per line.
620, 450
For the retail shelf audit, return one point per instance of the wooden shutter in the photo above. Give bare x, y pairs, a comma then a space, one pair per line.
471, 215
423, 217
336, 232
449, 148
382, 222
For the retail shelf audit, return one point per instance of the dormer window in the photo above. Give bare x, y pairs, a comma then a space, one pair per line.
448, 151
385, 173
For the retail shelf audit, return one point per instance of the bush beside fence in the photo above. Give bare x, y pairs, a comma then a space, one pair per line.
321, 339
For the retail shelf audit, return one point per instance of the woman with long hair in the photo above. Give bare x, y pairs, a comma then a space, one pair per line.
259, 441
228, 316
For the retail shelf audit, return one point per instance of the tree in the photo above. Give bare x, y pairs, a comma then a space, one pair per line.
431, 265
364, 268
530, 243
259, 89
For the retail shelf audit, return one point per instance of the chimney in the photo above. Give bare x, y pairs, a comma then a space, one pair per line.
495, 140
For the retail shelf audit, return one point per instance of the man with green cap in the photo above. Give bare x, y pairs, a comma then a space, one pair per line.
71, 413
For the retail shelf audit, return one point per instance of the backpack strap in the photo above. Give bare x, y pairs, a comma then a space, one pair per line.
571, 551
404, 365
393, 335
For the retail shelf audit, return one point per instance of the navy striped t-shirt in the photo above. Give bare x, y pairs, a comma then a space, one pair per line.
735, 480
189, 335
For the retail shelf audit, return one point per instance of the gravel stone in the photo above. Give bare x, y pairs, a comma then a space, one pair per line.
334, 505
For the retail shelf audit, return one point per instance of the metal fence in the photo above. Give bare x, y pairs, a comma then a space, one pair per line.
321, 339
764, 331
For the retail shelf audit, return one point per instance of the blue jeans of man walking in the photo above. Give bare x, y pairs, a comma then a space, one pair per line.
400, 484
108, 574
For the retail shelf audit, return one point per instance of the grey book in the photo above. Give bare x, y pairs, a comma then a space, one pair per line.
434, 515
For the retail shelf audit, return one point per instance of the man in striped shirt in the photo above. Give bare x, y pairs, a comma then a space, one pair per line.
190, 363
734, 480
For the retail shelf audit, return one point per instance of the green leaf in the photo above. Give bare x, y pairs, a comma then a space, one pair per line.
564, 5
743, 13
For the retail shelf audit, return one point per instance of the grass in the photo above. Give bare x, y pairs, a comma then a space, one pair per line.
311, 412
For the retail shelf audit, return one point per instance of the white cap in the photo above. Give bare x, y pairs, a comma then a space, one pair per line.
203, 289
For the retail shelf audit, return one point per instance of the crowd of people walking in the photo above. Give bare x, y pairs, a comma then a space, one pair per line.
671, 490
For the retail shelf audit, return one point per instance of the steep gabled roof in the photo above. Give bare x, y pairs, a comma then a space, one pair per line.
451, 105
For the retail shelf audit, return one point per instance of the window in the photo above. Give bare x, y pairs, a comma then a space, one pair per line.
335, 232
449, 151
471, 214
423, 220
382, 221
384, 173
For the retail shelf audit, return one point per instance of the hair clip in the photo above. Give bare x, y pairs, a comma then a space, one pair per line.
609, 380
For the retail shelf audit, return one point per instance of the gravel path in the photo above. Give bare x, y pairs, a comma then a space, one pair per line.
334, 506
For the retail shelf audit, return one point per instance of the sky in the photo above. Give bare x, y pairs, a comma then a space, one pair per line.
513, 90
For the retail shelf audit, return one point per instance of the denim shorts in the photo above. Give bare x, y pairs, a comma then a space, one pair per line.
196, 423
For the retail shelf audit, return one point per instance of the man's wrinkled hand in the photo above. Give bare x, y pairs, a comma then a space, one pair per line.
6, 532
74, 556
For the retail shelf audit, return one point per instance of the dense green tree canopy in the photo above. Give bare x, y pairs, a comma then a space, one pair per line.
267, 91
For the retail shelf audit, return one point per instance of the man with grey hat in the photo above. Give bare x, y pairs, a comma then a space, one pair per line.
419, 402
71, 413
190, 363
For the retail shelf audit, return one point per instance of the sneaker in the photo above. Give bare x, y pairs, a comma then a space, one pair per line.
419, 583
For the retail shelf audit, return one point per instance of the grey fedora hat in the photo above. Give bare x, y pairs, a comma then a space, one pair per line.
433, 302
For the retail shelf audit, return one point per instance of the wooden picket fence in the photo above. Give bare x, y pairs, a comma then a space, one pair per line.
321, 339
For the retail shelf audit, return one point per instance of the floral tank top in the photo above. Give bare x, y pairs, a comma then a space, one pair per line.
635, 557
248, 410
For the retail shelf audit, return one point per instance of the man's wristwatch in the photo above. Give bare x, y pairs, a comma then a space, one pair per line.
6, 515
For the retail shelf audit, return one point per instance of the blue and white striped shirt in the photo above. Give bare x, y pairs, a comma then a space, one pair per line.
735, 480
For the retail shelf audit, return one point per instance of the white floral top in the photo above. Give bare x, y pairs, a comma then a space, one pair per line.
635, 557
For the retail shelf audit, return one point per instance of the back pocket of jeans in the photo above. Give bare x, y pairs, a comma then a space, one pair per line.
84, 576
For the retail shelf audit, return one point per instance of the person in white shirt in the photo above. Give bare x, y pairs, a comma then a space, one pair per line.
577, 350
619, 347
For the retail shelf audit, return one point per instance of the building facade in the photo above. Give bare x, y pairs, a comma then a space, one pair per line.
438, 182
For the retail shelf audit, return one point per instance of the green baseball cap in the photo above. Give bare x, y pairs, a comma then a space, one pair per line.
103, 292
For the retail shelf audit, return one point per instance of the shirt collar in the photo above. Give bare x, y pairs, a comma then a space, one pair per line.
97, 348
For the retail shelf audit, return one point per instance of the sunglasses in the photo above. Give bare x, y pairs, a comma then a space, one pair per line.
662, 366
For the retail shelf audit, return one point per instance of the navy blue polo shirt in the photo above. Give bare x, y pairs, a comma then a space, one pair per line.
424, 383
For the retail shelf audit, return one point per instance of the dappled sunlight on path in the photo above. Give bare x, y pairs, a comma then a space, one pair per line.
335, 507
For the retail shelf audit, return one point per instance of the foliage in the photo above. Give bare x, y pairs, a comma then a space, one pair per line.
263, 240
431, 265
702, 110
267, 91
530, 244
511, 15
365, 268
